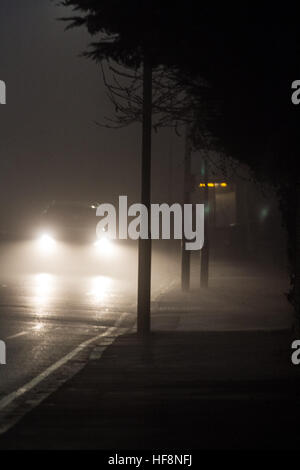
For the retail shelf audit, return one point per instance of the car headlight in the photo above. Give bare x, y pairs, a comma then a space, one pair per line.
104, 245
46, 243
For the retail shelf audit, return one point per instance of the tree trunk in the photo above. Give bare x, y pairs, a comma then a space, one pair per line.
185, 254
204, 260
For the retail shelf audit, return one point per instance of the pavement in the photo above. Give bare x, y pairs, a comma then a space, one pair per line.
216, 373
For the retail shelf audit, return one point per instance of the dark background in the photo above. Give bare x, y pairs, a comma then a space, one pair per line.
50, 146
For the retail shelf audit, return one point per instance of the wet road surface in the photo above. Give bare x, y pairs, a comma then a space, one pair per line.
53, 307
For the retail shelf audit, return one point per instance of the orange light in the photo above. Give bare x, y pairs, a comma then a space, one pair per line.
213, 185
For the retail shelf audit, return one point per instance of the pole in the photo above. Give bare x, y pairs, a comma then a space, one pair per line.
185, 254
205, 250
170, 166
144, 256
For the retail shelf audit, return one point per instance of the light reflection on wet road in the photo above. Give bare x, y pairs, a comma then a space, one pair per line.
50, 306
44, 316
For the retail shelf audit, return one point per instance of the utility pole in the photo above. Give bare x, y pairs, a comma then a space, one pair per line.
185, 254
204, 260
170, 166
144, 257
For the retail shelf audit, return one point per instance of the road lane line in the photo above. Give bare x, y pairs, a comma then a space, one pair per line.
17, 335
9, 399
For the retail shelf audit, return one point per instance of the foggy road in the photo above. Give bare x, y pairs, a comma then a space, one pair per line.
44, 317
57, 313
54, 313
63, 309
50, 326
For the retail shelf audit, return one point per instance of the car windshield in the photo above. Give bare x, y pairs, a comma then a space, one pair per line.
71, 214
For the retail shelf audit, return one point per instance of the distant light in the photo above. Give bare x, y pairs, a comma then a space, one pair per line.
264, 212
93, 207
213, 185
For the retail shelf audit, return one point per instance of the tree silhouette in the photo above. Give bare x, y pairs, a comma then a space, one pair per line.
248, 57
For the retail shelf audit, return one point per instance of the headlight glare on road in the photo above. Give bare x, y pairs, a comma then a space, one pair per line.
104, 245
46, 243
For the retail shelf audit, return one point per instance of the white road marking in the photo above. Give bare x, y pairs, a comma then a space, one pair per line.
9, 399
22, 333
17, 335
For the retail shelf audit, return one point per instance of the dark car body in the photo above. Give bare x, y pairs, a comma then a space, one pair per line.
72, 222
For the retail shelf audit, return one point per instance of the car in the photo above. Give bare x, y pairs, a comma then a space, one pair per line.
72, 223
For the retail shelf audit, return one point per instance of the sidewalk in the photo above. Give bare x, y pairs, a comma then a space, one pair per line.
238, 298
201, 382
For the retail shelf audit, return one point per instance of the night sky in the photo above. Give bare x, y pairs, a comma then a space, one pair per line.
50, 146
